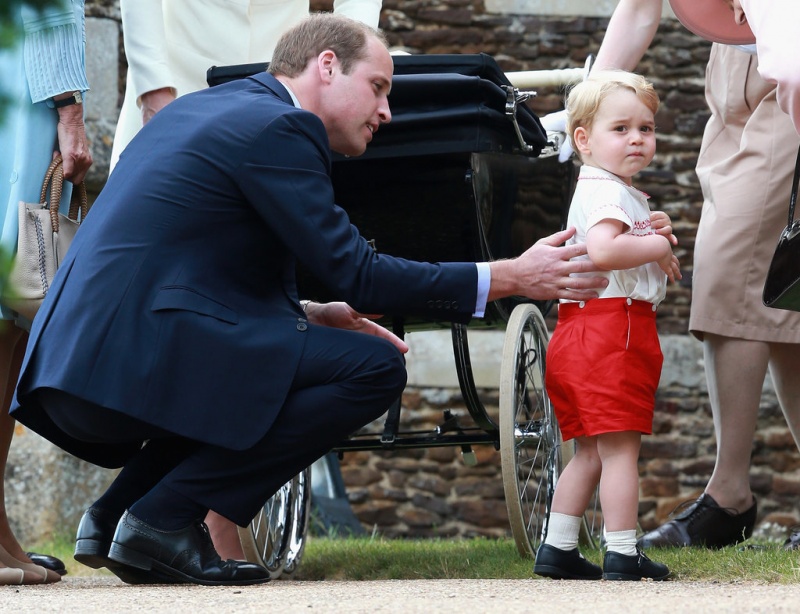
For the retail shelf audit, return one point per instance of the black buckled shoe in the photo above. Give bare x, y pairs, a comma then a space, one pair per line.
48, 562
632, 567
187, 554
93, 541
793, 541
703, 523
552, 562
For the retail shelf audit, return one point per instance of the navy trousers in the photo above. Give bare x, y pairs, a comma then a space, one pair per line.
345, 380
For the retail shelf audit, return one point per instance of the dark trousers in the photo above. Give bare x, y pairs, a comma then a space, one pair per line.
344, 381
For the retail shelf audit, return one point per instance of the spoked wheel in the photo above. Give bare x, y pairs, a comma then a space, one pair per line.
300, 511
530, 440
276, 537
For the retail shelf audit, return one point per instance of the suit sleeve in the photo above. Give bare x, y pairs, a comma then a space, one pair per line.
286, 179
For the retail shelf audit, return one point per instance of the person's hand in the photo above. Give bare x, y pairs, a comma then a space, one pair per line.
544, 272
73, 146
670, 265
662, 225
341, 315
557, 122
154, 101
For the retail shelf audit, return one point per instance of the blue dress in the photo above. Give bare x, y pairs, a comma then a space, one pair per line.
48, 60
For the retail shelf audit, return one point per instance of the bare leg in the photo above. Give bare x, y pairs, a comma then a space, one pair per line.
735, 370
784, 367
578, 480
225, 535
12, 349
619, 482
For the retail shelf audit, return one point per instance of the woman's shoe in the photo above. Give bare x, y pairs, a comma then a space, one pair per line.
32, 574
48, 562
10, 576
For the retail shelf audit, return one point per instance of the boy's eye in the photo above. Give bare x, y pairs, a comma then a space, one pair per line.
620, 128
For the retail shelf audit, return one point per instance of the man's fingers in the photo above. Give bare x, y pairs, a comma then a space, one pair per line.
557, 238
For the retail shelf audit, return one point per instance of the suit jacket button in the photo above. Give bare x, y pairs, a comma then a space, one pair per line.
302, 320
302, 326
431, 304
454, 305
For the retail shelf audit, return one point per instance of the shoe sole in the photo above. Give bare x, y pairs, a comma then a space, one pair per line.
631, 577
137, 560
548, 571
88, 552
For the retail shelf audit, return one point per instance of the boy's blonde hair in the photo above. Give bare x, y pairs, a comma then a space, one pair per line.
584, 99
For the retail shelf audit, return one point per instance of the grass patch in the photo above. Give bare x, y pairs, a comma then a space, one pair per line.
364, 558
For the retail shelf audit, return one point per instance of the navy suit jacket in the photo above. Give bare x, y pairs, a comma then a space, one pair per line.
177, 304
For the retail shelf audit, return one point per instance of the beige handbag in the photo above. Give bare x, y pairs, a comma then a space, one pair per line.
44, 236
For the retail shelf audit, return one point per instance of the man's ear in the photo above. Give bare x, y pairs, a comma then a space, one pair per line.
580, 140
326, 63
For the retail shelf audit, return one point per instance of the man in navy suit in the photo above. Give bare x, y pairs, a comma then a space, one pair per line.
172, 342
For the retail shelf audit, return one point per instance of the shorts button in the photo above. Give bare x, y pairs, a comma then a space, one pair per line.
582, 304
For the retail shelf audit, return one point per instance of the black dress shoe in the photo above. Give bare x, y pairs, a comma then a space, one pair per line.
552, 562
93, 541
703, 523
187, 554
633, 567
793, 541
48, 562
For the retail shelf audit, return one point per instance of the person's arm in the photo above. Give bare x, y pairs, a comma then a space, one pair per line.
611, 248
366, 11
630, 31
146, 51
55, 69
774, 24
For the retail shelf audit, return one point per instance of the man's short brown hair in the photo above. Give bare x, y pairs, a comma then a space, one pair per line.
319, 32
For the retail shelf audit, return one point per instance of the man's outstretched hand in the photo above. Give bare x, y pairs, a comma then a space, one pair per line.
543, 272
341, 315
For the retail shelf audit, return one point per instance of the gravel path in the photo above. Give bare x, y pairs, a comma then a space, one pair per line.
109, 595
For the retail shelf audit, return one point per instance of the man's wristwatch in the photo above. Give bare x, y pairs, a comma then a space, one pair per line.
75, 98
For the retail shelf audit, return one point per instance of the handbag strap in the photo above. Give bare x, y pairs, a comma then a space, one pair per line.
793, 197
54, 182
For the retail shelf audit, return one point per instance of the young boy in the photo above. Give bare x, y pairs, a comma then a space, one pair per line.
604, 359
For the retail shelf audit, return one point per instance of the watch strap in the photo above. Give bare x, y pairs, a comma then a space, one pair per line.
75, 98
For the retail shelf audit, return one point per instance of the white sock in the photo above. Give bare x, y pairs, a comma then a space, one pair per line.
623, 542
562, 531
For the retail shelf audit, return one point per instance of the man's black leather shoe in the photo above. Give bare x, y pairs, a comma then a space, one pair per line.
187, 554
93, 541
552, 562
703, 523
48, 562
633, 567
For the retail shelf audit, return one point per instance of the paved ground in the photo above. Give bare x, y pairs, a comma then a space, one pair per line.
109, 595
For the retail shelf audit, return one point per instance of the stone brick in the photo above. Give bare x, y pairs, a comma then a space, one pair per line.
481, 513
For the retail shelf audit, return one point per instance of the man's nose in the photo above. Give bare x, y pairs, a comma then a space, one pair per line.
384, 113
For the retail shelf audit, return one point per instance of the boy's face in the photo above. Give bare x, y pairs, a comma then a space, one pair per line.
622, 138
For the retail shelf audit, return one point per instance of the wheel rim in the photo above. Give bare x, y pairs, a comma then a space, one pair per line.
265, 539
530, 441
300, 509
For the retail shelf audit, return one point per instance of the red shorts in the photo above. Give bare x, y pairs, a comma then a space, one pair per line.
603, 365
